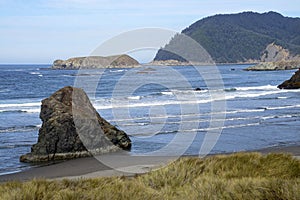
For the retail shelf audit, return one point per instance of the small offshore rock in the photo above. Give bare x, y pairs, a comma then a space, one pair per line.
292, 83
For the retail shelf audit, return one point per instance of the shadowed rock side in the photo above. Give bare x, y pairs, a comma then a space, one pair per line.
95, 62
293, 83
72, 128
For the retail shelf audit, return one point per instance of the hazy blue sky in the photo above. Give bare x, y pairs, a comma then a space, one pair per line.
40, 31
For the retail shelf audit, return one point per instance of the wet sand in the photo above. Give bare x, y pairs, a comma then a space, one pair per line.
294, 150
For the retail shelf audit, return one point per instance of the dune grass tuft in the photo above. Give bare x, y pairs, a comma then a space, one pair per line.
237, 176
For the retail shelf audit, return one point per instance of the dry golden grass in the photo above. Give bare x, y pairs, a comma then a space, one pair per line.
238, 176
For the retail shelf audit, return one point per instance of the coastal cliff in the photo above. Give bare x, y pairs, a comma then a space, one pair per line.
72, 128
240, 38
94, 62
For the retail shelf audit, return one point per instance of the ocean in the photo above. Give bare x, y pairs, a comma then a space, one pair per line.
158, 107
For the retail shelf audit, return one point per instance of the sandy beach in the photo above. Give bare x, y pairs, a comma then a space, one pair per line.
111, 165
98, 166
294, 150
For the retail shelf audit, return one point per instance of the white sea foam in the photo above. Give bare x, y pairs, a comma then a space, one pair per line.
242, 122
248, 111
134, 98
182, 118
20, 105
10, 172
167, 93
33, 107
263, 87
32, 110
133, 123
35, 73
118, 70
22, 110
183, 101
191, 97
202, 129
19, 129
251, 95
218, 128
282, 107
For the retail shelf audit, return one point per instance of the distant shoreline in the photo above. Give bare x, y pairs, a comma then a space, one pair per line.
149, 65
195, 64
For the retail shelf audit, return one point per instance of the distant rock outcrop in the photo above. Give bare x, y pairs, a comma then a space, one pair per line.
275, 53
292, 83
73, 128
94, 62
275, 57
271, 66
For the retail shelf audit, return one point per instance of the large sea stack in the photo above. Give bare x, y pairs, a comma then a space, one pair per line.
292, 83
72, 128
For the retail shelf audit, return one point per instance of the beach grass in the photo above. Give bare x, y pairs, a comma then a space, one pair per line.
236, 176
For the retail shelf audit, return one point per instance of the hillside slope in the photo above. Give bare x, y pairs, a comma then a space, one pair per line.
242, 37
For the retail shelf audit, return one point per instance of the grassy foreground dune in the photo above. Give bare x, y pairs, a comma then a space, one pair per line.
236, 176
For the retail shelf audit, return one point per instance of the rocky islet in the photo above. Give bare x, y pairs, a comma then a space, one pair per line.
96, 62
72, 128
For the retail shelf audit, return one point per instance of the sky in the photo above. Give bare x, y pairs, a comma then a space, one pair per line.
41, 31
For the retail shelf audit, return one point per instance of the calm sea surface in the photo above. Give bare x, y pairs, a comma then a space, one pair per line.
156, 106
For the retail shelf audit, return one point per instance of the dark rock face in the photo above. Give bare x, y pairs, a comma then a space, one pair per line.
293, 83
72, 128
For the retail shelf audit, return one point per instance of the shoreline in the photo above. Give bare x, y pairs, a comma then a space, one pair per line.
119, 165
149, 65
293, 150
